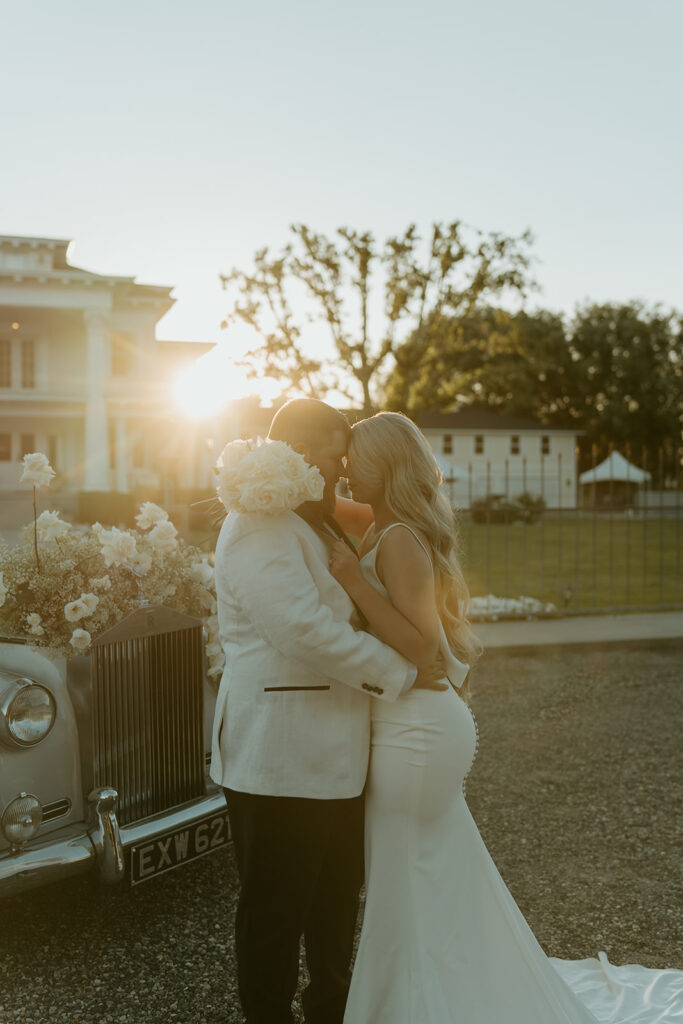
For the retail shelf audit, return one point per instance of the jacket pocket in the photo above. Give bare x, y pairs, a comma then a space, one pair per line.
290, 689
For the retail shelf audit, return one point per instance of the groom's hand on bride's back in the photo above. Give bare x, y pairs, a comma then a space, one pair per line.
431, 676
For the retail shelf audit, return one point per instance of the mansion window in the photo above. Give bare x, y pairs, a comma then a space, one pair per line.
122, 352
545, 445
514, 444
27, 445
478, 444
28, 364
447, 444
5, 447
5, 363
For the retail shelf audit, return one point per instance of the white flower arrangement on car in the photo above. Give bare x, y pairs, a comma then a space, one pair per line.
62, 585
265, 476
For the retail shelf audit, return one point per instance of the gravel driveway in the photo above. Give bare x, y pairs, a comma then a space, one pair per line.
575, 791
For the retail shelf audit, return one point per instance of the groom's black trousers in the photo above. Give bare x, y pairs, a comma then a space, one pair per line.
301, 868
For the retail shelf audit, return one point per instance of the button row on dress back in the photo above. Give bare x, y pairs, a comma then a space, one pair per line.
476, 751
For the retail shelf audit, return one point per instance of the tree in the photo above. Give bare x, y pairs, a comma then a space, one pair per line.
339, 283
631, 361
614, 371
514, 363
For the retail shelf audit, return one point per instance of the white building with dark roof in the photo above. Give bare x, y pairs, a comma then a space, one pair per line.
483, 452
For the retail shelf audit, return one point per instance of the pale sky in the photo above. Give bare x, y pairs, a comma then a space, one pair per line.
171, 140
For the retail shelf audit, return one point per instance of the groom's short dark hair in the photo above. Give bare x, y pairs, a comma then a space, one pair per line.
306, 421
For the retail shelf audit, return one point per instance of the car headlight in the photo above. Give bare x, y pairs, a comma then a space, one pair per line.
21, 819
27, 713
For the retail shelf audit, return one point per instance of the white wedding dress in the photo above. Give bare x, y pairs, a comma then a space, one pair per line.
443, 941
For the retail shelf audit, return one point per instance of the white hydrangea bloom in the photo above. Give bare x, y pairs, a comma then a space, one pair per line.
37, 470
149, 515
117, 546
80, 640
51, 527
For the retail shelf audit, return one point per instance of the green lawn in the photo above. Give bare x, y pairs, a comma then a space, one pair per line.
618, 564
625, 563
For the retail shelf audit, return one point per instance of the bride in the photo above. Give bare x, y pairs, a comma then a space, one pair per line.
443, 942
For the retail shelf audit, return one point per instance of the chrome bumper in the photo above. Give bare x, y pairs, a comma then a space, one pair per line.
100, 847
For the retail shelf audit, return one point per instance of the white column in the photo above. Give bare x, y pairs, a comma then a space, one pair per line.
121, 455
96, 476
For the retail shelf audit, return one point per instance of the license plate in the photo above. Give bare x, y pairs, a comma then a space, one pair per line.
173, 849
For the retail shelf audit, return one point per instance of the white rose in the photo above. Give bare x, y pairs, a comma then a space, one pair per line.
270, 477
50, 526
117, 546
163, 536
75, 610
203, 573
37, 470
91, 602
149, 515
216, 664
3, 592
227, 468
207, 600
80, 639
100, 583
34, 624
141, 562
170, 590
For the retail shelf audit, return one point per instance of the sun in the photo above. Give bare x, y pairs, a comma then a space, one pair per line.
206, 387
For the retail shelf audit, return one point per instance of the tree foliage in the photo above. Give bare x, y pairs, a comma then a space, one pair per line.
370, 298
613, 371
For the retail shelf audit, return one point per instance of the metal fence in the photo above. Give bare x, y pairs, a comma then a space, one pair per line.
615, 547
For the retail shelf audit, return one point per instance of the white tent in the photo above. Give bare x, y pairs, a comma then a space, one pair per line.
615, 467
449, 472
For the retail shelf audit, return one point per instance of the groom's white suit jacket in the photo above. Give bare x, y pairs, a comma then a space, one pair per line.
293, 708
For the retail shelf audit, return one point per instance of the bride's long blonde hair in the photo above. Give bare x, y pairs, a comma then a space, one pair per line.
389, 451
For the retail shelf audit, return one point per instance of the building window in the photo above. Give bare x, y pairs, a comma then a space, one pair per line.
122, 351
5, 447
447, 447
545, 445
514, 444
478, 444
5, 363
28, 364
27, 445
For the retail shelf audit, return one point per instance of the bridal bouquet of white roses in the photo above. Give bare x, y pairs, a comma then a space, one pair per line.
62, 585
265, 476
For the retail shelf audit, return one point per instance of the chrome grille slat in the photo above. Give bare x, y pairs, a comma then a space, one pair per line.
148, 720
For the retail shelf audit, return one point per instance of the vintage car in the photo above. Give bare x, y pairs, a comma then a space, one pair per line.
104, 758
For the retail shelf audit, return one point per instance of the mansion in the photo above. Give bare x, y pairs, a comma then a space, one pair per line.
84, 379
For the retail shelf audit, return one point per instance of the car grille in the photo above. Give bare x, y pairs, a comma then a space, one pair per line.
148, 720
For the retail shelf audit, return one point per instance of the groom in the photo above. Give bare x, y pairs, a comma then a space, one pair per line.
292, 735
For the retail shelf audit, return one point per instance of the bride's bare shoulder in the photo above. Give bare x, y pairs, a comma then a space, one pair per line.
405, 545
